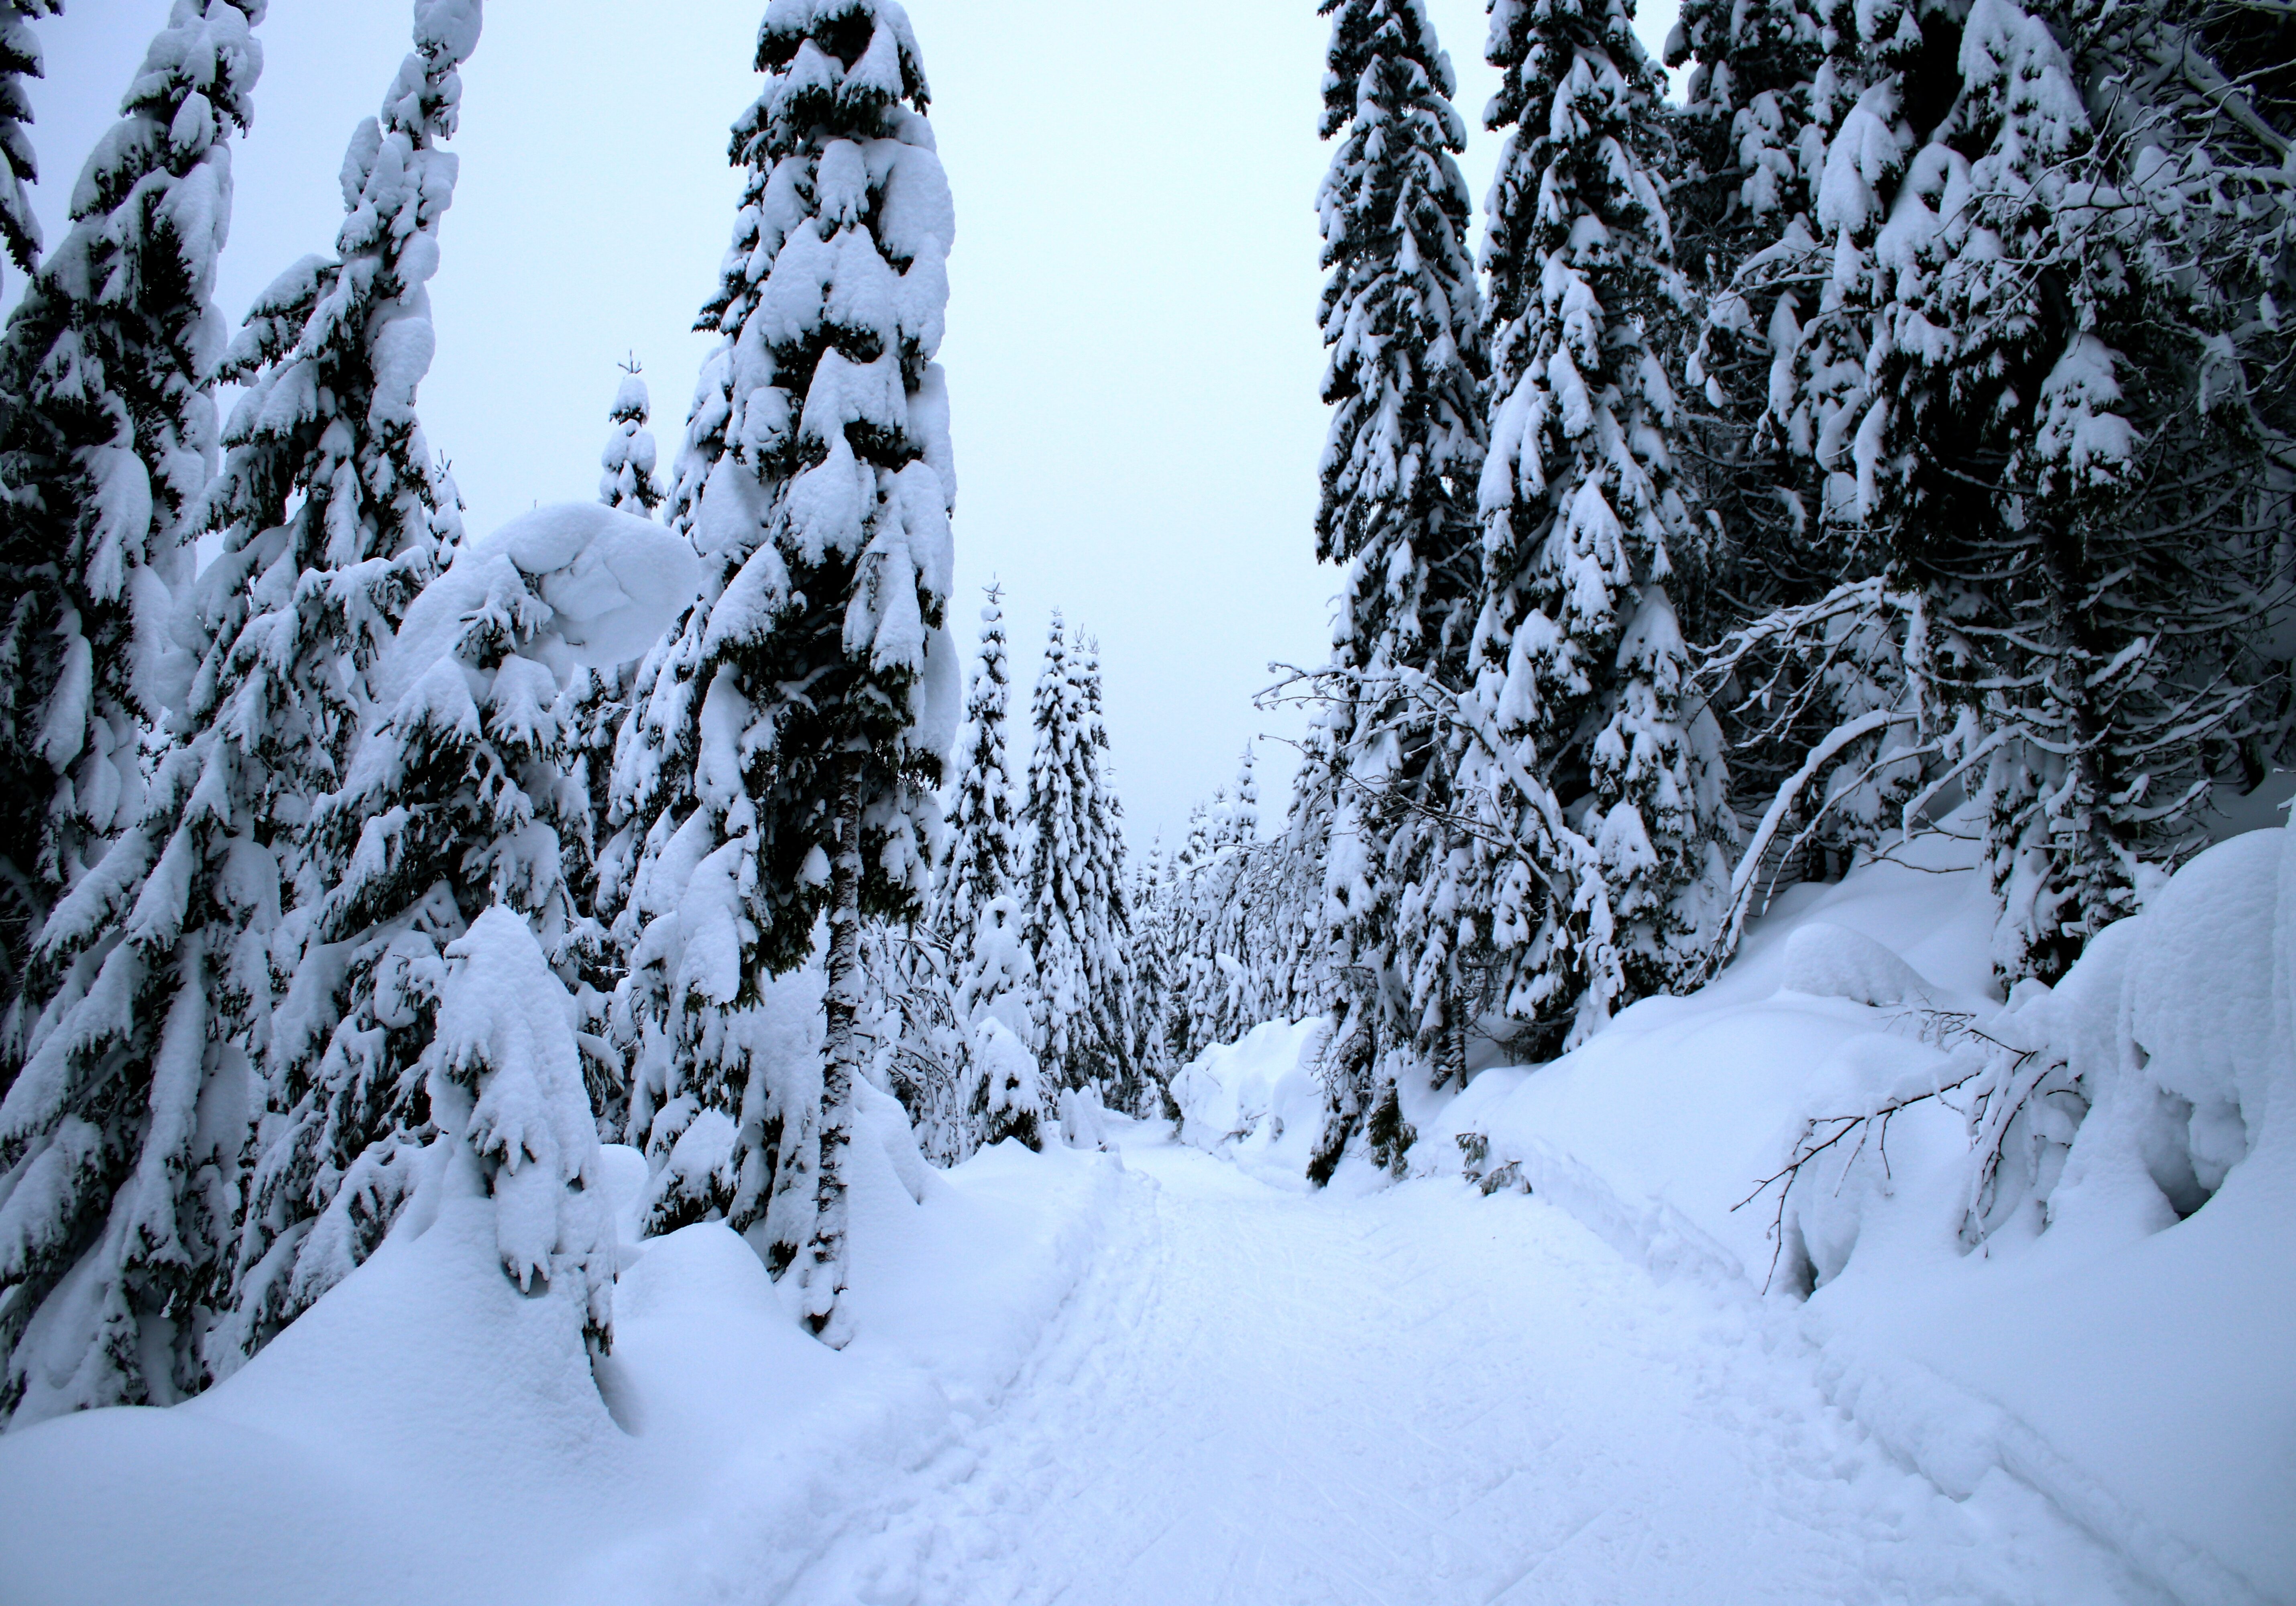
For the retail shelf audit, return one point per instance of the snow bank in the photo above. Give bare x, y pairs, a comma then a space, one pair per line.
2109, 1315
1257, 1100
426, 1433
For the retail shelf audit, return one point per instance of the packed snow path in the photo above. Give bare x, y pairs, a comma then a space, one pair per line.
1418, 1395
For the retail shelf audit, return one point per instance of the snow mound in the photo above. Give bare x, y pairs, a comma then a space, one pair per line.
1257, 1100
1826, 960
426, 1432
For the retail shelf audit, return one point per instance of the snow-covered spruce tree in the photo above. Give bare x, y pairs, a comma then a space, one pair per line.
1579, 666
107, 440
984, 853
936, 973
459, 798
1749, 143
1190, 905
780, 763
19, 58
1301, 933
1110, 923
1241, 916
627, 482
1401, 315
157, 971
2038, 443
1072, 893
1752, 128
1150, 976
602, 702
1777, 372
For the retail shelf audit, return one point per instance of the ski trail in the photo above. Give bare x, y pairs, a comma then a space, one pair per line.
1258, 1396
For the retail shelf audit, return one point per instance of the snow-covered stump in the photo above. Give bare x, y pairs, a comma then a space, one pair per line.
507, 1092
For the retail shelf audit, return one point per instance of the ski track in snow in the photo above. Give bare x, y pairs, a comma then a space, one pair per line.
1421, 1396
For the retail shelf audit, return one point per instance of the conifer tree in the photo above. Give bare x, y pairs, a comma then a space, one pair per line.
1151, 977
1075, 917
1579, 669
1763, 98
19, 58
2033, 419
2011, 348
627, 482
1401, 315
1241, 916
602, 702
790, 737
155, 978
983, 862
459, 799
107, 440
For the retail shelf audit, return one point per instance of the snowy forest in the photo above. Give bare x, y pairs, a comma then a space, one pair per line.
1757, 1011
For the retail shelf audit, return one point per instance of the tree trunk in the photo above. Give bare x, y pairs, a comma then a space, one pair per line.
825, 1284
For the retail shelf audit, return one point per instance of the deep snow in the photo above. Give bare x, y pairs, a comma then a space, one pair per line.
1164, 1374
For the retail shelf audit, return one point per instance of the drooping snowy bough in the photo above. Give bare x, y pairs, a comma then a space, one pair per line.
780, 763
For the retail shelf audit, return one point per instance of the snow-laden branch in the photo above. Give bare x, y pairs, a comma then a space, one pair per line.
1836, 742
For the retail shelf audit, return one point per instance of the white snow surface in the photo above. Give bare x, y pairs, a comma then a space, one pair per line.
1163, 1374
2133, 1372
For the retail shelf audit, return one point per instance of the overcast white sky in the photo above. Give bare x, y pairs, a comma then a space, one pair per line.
1132, 350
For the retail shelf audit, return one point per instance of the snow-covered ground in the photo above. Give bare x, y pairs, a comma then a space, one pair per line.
1259, 1396
2136, 1370
1175, 1373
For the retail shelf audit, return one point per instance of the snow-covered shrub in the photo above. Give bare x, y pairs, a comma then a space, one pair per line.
1010, 1091
999, 976
1258, 1098
1084, 1119
507, 1090
2175, 1030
